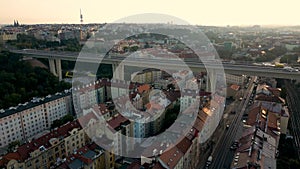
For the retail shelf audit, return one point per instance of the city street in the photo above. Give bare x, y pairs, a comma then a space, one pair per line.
222, 155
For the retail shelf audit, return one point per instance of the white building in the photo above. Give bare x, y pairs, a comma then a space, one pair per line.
89, 95
188, 98
31, 118
235, 79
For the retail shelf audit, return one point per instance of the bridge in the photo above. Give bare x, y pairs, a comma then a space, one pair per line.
55, 58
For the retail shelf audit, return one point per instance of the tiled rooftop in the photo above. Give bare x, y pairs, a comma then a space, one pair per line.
61, 132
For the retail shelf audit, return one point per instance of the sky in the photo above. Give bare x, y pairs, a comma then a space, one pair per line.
196, 12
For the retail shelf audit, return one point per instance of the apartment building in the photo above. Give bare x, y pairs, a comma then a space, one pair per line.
268, 118
90, 156
235, 79
257, 150
46, 151
89, 95
26, 120
189, 97
146, 76
121, 131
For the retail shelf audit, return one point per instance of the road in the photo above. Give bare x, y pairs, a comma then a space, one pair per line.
222, 156
155, 62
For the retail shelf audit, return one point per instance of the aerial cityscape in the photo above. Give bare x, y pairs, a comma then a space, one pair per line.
148, 91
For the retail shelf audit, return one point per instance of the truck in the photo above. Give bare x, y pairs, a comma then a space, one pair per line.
209, 159
208, 162
279, 65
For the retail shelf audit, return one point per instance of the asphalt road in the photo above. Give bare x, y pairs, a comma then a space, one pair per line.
222, 155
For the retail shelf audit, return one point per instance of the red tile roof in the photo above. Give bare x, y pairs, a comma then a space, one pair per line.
117, 120
144, 88
101, 108
158, 166
235, 87
84, 120
171, 157
272, 121
63, 131
184, 145
10, 156
252, 115
275, 99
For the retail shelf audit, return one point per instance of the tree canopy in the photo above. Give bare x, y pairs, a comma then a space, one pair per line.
289, 59
20, 81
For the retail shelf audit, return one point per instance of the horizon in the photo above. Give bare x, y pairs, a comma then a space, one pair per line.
214, 13
242, 25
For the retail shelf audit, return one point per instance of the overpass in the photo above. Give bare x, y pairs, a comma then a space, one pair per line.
55, 58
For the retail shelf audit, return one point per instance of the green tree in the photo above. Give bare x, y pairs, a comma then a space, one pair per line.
289, 59
13, 145
20, 82
61, 121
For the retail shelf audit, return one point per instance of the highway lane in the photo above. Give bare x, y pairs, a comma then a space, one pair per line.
222, 154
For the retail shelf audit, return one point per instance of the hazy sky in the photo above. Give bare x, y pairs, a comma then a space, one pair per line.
209, 12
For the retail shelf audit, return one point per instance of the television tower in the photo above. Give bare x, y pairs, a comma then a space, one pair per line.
81, 17
81, 22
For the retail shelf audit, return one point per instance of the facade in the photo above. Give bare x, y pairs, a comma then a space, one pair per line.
147, 76
235, 79
64, 147
5, 37
188, 98
31, 118
183, 74
46, 151
89, 95
120, 128
192, 84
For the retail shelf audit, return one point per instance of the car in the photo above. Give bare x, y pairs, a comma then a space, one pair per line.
233, 147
